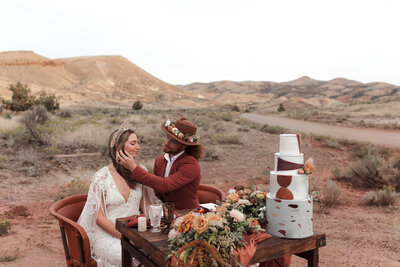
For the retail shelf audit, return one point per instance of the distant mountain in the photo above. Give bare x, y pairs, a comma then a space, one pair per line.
90, 80
114, 81
339, 89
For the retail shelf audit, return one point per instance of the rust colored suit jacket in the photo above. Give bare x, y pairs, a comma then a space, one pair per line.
180, 186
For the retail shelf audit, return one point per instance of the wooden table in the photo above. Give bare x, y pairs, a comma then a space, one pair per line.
151, 248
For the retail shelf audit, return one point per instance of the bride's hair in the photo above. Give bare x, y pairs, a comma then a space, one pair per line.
112, 151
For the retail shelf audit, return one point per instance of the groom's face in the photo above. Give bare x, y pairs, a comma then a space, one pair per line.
173, 147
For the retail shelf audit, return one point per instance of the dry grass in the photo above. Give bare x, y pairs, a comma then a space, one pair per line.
330, 194
7, 124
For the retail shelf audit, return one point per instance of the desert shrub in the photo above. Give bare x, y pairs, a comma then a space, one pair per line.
226, 139
64, 113
49, 101
382, 197
281, 108
137, 105
273, 129
31, 120
236, 108
330, 194
244, 128
363, 149
396, 163
21, 99
75, 187
211, 155
89, 136
371, 171
5, 225
9, 256
50, 150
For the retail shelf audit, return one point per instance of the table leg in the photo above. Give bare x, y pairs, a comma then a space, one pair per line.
126, 256
311, 256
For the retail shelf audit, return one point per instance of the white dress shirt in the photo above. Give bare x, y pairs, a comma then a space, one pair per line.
170, 161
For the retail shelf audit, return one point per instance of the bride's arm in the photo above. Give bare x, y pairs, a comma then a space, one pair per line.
106, 224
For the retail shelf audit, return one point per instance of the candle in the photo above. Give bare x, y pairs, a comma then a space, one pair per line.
142, 224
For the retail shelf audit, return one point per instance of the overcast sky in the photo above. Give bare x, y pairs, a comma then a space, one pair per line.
189, 41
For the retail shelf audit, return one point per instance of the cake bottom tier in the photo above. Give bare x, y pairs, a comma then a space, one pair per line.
289, 218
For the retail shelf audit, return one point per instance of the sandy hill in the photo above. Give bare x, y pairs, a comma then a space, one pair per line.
109, 80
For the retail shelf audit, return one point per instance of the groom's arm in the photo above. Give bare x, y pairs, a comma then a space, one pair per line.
187, 172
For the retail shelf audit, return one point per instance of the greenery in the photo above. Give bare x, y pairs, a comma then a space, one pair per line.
281, 108
273, 129
75, 187
386, 196
49, 101
137, 105
331, 194
5, 225
21, 99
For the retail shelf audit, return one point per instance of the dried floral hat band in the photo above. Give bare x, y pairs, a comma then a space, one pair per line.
182, 131
126, 125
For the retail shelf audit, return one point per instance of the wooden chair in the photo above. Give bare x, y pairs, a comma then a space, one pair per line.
209, 194
75, 240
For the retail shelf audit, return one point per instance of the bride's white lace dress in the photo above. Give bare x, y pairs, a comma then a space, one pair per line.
106, 249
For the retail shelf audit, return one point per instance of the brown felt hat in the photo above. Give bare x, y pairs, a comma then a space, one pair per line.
182, 130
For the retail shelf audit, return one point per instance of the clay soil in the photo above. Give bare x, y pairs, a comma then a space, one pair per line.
356, 235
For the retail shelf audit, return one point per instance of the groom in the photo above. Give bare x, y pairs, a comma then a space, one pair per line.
176, 173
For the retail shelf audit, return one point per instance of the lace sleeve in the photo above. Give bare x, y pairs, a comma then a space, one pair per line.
97, 192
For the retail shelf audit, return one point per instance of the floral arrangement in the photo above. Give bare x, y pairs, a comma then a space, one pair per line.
308, 167
203, 238
170, 126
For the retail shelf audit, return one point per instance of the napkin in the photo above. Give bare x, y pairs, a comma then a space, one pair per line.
132, 221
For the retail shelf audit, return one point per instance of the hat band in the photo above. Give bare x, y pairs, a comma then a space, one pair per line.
170, 126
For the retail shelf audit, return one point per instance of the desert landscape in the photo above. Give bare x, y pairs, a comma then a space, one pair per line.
65, 149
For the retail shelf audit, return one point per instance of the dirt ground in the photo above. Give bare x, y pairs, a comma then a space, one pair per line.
356, 235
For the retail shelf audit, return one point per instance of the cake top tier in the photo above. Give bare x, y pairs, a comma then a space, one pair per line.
290, 144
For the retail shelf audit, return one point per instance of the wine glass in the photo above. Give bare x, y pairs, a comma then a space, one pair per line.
155, 213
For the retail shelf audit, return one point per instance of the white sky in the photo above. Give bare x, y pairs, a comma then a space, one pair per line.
204, 41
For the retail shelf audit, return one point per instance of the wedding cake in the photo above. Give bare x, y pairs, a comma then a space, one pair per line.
289, 207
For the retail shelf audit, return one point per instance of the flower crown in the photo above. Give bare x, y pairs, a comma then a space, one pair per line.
170, 126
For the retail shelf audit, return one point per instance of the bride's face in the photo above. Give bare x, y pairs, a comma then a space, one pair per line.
131, 146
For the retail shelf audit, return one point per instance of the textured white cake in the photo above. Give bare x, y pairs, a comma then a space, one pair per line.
289, 207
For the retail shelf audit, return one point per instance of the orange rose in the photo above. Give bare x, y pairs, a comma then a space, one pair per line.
200, 224
254, 222
187, 227
233, 197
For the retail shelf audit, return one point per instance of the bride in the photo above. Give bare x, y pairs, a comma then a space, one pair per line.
111, 195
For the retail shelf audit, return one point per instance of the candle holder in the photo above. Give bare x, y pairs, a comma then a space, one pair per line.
168, 208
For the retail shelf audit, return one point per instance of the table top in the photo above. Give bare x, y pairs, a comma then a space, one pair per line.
271, 248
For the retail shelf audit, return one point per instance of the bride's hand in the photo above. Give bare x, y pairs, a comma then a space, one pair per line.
126, 161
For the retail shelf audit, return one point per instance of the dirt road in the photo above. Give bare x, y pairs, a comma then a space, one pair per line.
389, 138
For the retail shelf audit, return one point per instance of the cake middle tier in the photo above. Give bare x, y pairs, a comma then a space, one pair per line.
288, 185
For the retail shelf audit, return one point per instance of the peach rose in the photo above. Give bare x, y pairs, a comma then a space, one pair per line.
236, 215
173, 233
200, 224
214, 217
188, 218
309, 166
180, 135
